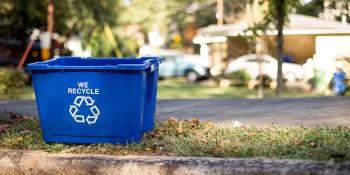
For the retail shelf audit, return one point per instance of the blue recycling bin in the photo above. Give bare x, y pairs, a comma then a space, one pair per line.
95, 100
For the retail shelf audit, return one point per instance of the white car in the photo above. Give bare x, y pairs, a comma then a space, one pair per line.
291, 72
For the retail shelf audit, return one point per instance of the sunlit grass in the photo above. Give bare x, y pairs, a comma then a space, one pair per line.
26, 92
194, 138
178, 88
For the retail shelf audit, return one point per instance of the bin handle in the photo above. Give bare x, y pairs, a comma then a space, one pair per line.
152, 68
147, 64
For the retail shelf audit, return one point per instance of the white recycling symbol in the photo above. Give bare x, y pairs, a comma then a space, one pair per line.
74, 109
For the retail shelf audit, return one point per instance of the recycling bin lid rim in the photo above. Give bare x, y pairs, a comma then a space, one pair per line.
45, 65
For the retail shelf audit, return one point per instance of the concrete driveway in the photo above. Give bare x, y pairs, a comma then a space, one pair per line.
312, 111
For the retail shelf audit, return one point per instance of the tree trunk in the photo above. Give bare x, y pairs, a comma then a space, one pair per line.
280, 23
259, 48
220, 12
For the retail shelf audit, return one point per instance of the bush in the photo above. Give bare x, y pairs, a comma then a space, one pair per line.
239, 75
11, 80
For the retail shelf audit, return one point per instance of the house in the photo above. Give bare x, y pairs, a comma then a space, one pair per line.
304, 37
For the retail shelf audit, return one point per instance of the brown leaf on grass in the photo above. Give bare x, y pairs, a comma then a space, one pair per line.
208, 124
245, 127
203, 140
251, 134
298, 142
173, 119
151, 148
312, 144
273, 129
4, 127
156, 134
179, 130
25, 132
16, 117
195, 121
26, 117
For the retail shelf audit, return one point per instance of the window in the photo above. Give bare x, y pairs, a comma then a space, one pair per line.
251, 60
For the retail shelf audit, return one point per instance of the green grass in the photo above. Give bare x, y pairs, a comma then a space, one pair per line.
26, 92
193, 138
178, 88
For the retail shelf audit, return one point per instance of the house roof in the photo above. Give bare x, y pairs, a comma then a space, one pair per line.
297, 25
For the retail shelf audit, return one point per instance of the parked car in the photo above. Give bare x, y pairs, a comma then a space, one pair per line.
183, 65
249, 63
11, 52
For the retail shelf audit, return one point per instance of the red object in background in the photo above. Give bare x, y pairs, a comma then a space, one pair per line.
33, 37
25, 54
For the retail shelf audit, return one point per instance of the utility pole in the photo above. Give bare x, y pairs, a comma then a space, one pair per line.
220, 11
45, 37
50, 20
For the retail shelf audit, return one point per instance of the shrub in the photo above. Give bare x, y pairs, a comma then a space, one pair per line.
11, 80
239, 75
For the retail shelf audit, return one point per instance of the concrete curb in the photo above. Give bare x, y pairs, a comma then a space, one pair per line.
37, 162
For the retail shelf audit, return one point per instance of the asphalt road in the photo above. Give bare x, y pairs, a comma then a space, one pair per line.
308, 112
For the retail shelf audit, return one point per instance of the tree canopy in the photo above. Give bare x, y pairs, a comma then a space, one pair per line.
88, 19
173, 19
84, 18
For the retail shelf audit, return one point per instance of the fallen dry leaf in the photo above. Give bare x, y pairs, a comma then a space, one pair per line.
25, 117
4, 127
24, 132
179, 130
298, 142
16, 117
250, 134
195, 120
204, 140
173, 119
152, 148
312, 144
